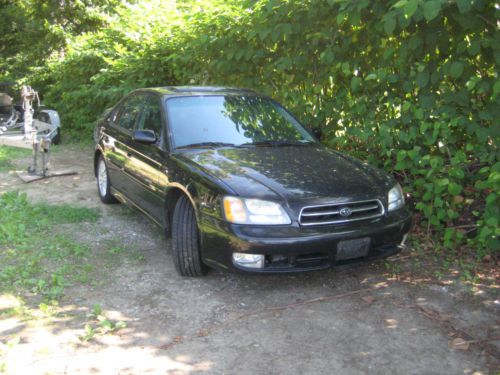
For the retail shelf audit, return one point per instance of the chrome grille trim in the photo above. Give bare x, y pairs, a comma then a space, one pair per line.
330, 213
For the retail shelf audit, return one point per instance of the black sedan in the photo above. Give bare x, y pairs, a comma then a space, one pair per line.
239, 183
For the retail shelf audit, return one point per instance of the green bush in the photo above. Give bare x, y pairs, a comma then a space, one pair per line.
409, 85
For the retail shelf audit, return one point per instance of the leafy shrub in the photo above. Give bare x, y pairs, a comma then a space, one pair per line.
409, 85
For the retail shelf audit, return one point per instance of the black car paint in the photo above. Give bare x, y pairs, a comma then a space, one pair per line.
150, 177
289, 174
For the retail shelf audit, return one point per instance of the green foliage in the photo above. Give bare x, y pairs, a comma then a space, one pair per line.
409, 85
32, 31
32, 258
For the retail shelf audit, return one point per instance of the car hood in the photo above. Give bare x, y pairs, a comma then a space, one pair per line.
291, 172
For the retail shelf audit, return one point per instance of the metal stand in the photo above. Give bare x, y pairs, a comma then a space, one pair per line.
27, 177
39, 169
38, 136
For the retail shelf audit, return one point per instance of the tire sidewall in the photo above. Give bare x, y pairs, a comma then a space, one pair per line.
107, 197
186, 246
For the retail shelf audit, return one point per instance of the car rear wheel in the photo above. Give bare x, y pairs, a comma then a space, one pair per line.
185, 240
103, 182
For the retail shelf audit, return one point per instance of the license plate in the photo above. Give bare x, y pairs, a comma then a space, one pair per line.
351, 249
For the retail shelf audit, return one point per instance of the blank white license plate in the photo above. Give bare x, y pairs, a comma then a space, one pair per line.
351, 249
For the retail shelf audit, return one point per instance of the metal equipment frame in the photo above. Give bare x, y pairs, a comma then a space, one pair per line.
35, 135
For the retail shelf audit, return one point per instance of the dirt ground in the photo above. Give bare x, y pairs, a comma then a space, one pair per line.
353, 319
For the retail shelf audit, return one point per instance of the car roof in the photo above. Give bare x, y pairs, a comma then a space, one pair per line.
198, 90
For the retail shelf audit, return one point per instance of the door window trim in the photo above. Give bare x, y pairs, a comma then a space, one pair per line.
121, 106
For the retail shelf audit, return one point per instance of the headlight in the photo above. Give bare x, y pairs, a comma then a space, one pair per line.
254, 211
396, 198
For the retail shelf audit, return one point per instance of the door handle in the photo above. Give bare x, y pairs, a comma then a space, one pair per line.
129, 154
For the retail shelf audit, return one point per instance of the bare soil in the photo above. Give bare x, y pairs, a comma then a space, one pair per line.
349, 320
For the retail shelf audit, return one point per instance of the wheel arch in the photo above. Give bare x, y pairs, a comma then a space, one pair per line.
176, 191
53, 117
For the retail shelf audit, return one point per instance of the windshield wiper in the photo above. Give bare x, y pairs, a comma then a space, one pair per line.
276, 143
208, 145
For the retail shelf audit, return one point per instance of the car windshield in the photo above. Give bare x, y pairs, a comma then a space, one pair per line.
211, 121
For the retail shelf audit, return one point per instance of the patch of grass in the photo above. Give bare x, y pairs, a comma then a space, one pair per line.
115, 250
66, 214
117, 253
32, 258
140, 258
22, 312
448, 266
7, 154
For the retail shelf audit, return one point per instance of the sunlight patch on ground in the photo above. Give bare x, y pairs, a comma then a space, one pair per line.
110, 359
54, 346
8, 301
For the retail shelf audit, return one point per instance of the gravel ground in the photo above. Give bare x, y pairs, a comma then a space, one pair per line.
354, 319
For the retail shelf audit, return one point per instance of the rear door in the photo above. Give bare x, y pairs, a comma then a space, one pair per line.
118, 138
144, 163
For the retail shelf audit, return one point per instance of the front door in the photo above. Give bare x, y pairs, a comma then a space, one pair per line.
143, 165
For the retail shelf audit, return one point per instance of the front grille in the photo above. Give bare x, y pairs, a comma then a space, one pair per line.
341, 212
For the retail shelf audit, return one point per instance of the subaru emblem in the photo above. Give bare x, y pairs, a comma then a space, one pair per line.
345, 212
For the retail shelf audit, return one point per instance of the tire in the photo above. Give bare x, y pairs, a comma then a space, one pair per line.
57, 139
185, 240
103, 182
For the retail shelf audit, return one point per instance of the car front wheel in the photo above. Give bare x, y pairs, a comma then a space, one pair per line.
185, 240
103, 182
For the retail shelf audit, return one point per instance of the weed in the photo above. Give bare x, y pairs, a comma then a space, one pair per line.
89, 333
393, 268
116, 250
83, 273
49, 310
140, 258
95, 312
98, 324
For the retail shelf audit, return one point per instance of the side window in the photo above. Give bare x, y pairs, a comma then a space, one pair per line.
150, 118
131, 108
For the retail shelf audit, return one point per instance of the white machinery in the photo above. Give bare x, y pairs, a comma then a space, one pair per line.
19, 128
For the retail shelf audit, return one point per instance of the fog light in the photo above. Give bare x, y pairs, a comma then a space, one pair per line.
249, 260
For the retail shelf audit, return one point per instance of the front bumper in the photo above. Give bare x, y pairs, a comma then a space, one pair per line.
293, 248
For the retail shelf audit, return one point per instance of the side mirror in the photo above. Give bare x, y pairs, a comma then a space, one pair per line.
144, 136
